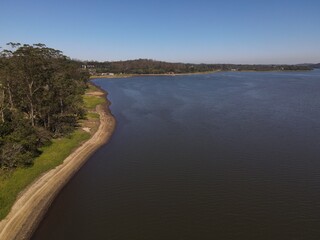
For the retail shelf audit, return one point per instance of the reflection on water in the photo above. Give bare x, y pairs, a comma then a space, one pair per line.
219, 156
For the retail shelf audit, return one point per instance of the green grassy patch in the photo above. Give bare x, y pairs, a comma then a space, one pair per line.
12, 184
91, 115
91, 102
92, 88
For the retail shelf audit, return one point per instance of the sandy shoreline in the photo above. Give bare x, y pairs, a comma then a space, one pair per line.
32, 204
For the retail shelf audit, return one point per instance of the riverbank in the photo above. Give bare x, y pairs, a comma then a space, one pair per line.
149, 75
185, 74
33, 202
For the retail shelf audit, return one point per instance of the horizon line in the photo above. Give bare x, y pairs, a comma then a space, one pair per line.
221, 63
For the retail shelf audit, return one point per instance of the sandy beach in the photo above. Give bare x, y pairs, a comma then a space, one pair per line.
33, 202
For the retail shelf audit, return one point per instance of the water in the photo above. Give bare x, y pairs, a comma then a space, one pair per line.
218, 156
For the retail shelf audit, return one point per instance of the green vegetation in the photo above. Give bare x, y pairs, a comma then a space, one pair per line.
91, 115
147, 66
91, 102
12, 183
41, 104
40, 99
92, 88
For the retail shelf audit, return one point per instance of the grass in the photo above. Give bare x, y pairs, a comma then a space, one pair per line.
12, 183
91, 115
92, 88
91, 102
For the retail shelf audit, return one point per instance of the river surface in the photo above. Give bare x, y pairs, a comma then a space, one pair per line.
219, 156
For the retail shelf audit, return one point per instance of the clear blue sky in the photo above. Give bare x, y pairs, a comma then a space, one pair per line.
224, 31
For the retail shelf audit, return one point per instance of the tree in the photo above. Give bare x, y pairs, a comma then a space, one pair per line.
40, 98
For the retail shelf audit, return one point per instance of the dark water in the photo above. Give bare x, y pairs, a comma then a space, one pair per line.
220, 156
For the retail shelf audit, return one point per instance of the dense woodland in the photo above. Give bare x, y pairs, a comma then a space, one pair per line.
147, 66
40, 99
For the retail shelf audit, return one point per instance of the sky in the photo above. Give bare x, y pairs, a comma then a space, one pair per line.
198, 31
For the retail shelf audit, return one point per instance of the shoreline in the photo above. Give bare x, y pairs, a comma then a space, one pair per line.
186, 74
34, 201
150, 75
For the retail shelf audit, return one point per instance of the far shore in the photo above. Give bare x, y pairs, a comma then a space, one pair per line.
32, 204
149, 75
182, 74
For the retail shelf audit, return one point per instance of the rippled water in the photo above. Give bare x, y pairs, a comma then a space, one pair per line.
218, 156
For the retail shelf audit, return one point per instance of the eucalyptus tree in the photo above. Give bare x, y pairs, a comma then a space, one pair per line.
40, 98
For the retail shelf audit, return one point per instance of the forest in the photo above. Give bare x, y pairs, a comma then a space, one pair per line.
148, 66
40, 99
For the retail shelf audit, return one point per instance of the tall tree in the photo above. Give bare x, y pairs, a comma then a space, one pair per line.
40, 97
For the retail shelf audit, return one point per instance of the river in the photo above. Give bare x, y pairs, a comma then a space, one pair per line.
229, 155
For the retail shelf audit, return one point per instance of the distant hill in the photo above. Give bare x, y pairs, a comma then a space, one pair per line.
311, 65
148, 66
315, 65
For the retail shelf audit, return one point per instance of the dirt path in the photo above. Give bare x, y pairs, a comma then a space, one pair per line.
31, 206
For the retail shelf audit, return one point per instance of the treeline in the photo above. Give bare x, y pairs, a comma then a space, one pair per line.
317, 65
147, 66
40, 99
